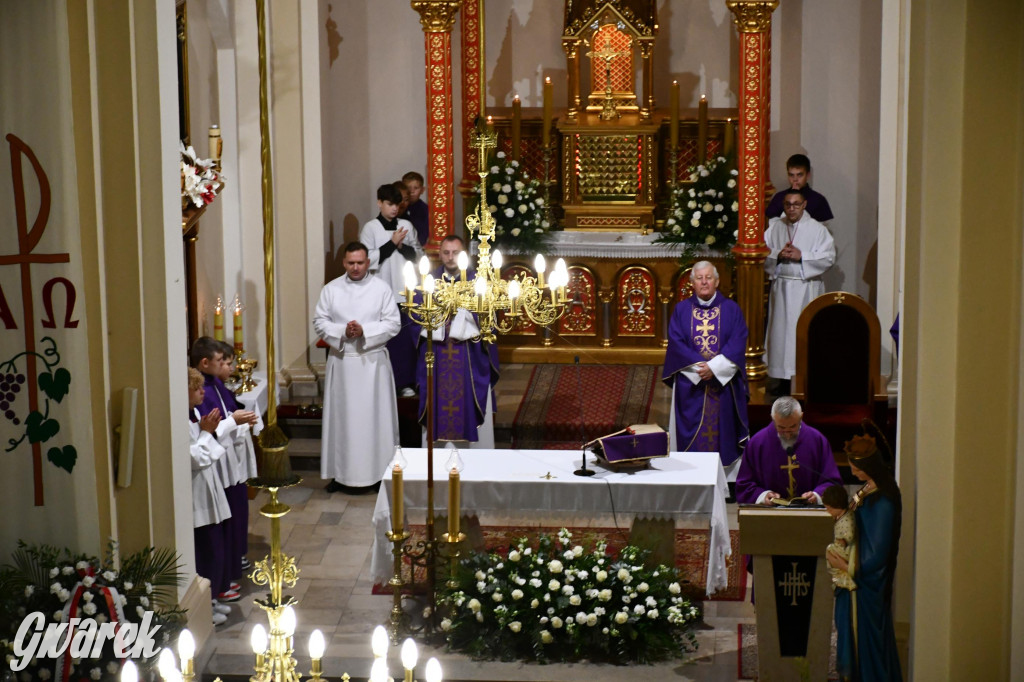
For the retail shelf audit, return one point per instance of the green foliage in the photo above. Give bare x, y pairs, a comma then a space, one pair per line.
47, 579
555, 601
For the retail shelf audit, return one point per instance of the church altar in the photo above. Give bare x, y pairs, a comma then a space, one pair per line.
622, 287
539, 486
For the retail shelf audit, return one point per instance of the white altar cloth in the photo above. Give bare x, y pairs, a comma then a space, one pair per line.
681, 485
617, 245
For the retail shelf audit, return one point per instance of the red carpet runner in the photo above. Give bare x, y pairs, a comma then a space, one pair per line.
612, 396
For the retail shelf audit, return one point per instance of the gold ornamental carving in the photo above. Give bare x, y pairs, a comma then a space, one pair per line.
437, 16
752, 16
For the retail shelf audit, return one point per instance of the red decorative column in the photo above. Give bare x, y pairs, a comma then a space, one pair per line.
753, 19
473, 92
437, 18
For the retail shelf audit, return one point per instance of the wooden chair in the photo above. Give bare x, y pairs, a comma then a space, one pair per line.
838, 343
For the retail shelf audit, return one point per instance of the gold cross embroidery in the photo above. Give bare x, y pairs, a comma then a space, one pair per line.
790, 466
636, 442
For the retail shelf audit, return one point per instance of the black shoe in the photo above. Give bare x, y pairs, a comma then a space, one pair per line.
246, 564
334, 487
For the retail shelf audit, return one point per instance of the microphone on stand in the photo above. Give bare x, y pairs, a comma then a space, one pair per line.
583, 470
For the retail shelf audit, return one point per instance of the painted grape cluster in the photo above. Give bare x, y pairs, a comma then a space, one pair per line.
10, 387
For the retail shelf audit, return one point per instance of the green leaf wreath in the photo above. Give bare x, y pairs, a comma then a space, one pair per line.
57, 582
702, 213
515, 201
554, 601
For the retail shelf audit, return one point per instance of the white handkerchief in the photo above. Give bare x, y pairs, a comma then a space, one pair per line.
464, 326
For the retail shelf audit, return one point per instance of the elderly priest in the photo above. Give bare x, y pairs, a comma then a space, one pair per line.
707, 338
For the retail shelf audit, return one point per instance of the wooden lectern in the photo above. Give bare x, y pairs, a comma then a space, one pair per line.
792, 589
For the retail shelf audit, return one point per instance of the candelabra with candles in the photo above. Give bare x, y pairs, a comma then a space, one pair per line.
269, 659
497, 304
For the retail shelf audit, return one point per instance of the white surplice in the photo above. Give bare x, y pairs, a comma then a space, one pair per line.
794, 285
360, 417
209, 503
374, 236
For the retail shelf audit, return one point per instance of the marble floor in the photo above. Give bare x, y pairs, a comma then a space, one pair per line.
330, 536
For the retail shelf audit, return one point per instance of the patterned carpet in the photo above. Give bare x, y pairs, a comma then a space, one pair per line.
691, 552
612, 397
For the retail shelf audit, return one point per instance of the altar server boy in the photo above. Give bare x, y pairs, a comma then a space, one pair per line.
210, 508
207, 357
246, 454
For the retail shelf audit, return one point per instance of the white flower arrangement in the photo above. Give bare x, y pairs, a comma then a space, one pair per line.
514, 199
200, 179
702, 212
567, 610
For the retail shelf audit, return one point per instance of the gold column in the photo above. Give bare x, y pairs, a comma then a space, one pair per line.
647, 98
437, 18
753, 19
572, 65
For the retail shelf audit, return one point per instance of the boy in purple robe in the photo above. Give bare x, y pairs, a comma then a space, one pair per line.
787, 459
464, 370
704, 363
417, 211
207, 357
798, 169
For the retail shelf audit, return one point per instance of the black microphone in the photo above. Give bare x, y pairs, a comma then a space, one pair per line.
583, 470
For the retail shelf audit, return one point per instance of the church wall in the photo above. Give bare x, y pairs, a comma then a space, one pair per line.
826, 64
373, 110
35, 108
204, 106
958, 431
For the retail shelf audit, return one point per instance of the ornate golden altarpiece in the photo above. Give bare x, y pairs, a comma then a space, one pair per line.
609, 162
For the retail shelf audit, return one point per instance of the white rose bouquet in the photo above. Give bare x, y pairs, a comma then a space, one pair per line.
553, 600
702, 212
515, 201
200, 179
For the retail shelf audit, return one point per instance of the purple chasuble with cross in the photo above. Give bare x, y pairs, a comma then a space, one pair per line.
710, 416
464, 372
766, 465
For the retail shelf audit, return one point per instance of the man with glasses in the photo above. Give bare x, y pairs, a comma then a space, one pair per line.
802, 250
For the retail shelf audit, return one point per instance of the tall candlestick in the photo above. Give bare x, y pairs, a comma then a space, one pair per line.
546, 127
239, 345
517, 116
216, 143
453, 505
729, 143
218, 320
702, 129
673, 124
398, 500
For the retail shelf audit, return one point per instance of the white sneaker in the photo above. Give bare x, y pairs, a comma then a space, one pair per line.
408, 392
219, 618
221, 608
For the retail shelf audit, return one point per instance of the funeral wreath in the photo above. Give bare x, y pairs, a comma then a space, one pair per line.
552, 600
514, 199
702, 212
68, 616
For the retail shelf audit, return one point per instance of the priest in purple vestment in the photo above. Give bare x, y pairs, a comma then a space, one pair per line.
786, 459
704, 363
464, 370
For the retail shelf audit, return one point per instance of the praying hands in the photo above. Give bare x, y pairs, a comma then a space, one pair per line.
353, 330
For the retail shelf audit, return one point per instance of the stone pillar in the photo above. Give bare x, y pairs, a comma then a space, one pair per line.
437, 18
753, 19
473, 77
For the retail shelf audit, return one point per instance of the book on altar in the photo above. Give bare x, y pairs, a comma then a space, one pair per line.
635, 443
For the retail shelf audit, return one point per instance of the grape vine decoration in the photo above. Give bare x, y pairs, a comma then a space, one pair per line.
36, 425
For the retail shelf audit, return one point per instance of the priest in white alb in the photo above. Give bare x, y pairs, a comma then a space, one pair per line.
802, 251
357, 315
